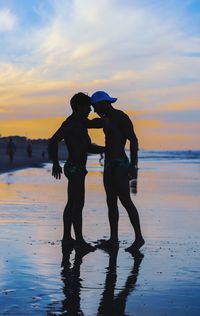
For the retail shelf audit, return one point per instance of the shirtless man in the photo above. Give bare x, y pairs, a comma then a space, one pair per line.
118, 171
74, 132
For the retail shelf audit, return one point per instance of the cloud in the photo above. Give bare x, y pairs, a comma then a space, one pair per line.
8, 20
139, 51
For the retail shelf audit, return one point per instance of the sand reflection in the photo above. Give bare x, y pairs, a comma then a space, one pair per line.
109, 303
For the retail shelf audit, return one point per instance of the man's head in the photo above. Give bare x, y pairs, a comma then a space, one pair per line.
81, 104
101, 102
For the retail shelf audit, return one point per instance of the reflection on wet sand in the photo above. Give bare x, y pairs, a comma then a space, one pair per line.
115, 305
109, 303
70, 276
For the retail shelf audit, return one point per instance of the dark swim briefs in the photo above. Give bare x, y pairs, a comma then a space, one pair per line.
120, 162
71, 169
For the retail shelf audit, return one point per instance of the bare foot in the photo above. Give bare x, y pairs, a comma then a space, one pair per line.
83, 246
138, 243
108, 244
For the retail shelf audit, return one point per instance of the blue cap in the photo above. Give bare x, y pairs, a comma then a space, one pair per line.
99, 96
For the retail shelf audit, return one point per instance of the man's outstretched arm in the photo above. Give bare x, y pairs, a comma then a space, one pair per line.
93, 148
96, 149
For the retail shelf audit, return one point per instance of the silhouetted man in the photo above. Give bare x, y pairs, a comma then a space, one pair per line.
74, 132
118, 171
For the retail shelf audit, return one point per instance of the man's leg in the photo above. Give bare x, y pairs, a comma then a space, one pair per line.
113, 213
77, 190
67, 216
78, 193
120, 178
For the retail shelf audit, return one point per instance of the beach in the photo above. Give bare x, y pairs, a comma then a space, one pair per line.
38, 277
21, 159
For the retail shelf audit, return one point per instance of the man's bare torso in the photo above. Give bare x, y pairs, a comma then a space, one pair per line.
76, 138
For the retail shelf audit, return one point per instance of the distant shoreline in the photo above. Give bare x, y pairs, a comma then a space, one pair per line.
22, 166
40, 154
21, 160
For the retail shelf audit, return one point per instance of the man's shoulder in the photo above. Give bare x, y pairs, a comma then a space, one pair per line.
69, 121
73, 124
122, 115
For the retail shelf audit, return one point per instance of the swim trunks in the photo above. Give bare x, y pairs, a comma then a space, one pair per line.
120, 162
71, 169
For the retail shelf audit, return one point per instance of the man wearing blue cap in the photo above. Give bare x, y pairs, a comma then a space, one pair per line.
117, 128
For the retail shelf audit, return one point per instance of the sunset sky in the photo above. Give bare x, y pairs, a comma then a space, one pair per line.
144, 52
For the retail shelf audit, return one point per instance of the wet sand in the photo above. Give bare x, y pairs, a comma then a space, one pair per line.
36, 278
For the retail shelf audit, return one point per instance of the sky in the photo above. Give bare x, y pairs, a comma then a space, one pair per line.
144, 52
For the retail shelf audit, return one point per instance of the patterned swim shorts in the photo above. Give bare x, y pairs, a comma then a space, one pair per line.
120, 162
71, 169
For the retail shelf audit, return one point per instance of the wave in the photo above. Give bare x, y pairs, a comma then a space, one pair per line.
170, 154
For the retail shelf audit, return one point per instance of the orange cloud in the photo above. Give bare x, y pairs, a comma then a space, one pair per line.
182, 105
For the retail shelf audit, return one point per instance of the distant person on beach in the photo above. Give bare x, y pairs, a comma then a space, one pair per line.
74, 132
11, 149
43, 154
117, 128
29, 150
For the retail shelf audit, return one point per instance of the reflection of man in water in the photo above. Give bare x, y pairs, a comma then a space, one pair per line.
74, 132
118, 171
71, 304
11, 149
115, 305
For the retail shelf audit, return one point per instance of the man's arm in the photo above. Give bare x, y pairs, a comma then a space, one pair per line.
96, 149
128, 131
53, 151
93, 148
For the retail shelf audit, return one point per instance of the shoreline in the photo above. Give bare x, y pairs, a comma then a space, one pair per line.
14, 168
21, 160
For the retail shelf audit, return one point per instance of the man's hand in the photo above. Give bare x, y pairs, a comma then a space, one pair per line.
132, 171
56, 171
